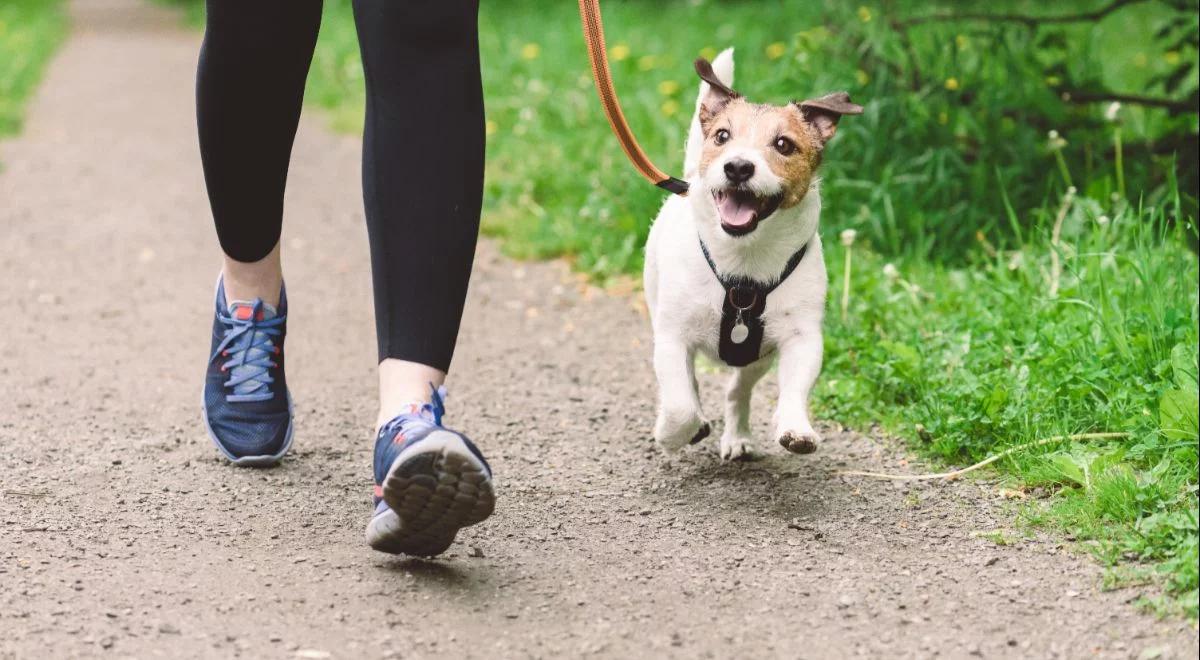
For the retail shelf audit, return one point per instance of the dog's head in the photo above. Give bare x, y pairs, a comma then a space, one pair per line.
758, 159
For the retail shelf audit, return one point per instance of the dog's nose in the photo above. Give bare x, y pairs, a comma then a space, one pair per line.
739, 170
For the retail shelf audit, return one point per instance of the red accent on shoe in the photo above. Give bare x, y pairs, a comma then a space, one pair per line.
399, 439
378, 490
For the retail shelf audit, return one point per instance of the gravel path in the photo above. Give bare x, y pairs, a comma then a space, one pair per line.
121, 533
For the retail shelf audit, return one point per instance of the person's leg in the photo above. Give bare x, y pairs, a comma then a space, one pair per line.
423, 186
249, 89
422, 183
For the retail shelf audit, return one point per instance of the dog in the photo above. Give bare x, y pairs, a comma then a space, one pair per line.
734, 270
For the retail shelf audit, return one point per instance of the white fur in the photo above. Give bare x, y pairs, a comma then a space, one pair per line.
685, 300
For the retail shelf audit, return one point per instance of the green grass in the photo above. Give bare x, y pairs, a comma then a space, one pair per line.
30, 31
966, 361
959, 345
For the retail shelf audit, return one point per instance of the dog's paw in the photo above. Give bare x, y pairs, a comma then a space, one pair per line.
674, 431
734, 448
800, 442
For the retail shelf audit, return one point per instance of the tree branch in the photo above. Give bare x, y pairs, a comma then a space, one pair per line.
1024, 19
1101, 96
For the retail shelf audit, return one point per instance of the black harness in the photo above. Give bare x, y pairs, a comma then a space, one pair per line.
741, 338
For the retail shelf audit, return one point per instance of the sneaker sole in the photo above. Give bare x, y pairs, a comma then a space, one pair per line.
433, 489
266, 460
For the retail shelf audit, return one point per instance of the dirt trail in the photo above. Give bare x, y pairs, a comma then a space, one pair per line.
122, 534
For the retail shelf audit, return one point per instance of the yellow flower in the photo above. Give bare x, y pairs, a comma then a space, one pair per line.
961, 41
776, 50
619, 52
491, 127
708, 53
1140, 60
943, 118
647, 62
668, 87
862, 77
530, 51
1171, 56
864, 14
669, 107
1053, 81
952, 84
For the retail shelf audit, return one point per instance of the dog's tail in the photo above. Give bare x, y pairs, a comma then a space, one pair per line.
723, 67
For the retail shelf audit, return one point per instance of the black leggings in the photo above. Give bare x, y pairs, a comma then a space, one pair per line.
422, 152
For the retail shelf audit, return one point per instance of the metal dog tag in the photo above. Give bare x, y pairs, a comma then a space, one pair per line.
739, 333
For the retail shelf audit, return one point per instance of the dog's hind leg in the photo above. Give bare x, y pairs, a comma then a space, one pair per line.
679, 420
735, 439
799, 365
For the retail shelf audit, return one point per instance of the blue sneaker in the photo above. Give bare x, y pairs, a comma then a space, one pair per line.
429, 483
247, 408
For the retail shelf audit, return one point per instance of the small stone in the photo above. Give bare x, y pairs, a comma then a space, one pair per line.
168, 629
313, 654
475, 551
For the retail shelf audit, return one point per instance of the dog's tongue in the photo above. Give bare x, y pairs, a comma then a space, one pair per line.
737, 210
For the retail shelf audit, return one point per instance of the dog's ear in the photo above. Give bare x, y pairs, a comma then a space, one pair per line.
718, 95
823, 113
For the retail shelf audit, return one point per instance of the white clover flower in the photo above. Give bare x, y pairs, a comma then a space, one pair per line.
848, 236
1110, 113
1053, 134
1102, 220
890, 272
1056, 141
1071, 191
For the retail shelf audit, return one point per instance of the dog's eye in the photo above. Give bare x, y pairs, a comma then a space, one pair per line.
721, 137
785, 146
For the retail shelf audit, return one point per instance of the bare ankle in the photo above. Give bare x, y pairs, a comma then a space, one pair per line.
403, 383
258, 279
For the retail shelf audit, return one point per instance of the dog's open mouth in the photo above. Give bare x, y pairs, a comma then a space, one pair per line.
742, 210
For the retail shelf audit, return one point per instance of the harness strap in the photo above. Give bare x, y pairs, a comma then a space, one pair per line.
744, 282
740, 336
593, 34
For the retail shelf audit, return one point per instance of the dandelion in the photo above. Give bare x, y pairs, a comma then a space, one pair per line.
943, 118
619, 52
530, 51
669, 107
864, 14
1053, 81
961, 41
776, 50
861, 77
891, 272
1110, 113
647, 62
952, 84
491, 127
1172, 57
668, 87
848, 236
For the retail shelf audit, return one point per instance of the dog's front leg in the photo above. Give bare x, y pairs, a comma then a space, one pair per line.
679, 421
799, 364
736, 436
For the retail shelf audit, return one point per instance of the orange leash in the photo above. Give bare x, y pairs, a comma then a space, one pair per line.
593, 34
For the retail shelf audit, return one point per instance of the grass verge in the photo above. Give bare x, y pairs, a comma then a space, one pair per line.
30, 32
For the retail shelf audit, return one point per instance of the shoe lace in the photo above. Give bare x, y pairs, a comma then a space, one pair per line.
425, 415
249, 345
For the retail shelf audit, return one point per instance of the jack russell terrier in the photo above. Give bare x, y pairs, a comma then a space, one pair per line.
734, 270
